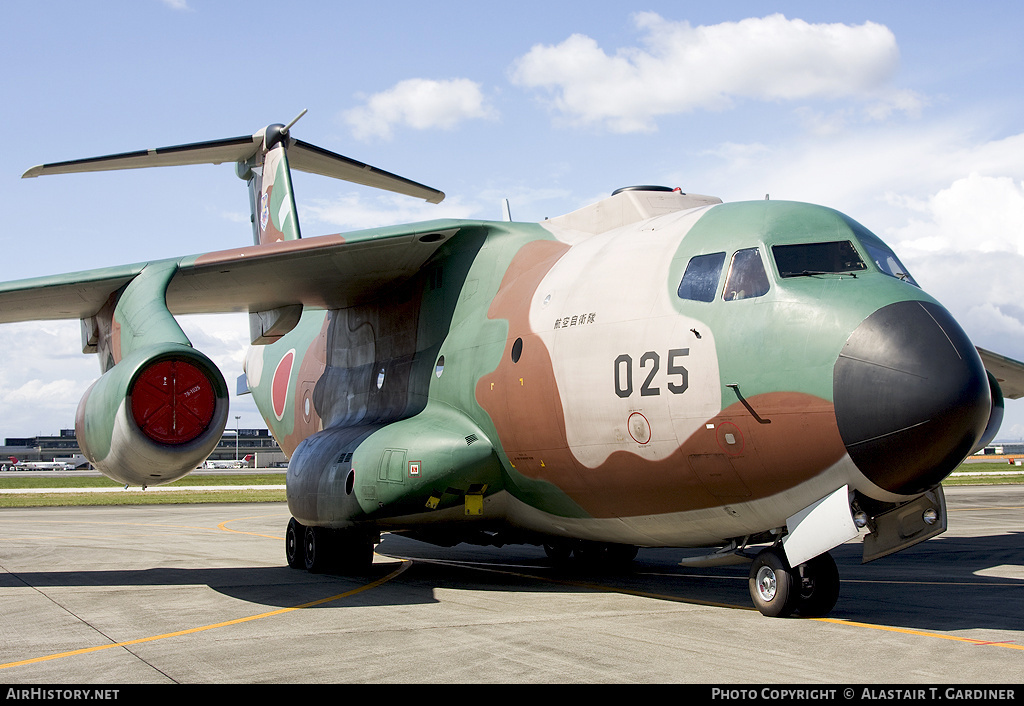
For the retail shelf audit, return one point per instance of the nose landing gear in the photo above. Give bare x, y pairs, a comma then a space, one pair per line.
810, 589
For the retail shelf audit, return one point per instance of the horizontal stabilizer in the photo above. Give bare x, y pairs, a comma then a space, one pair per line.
315, 160
302, 156
232, 149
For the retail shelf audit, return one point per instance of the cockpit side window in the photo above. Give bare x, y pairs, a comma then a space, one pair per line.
747, 277
700, 281
807, 259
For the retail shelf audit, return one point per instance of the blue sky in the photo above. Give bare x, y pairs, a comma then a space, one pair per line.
906, 116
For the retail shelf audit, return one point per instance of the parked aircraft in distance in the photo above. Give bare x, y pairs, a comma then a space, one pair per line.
16, 465
243, 463
658, 369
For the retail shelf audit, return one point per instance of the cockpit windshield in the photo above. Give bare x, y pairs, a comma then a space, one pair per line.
885, 258
808, 259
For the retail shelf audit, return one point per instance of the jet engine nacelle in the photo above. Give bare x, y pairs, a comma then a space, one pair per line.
995, 417
153, 417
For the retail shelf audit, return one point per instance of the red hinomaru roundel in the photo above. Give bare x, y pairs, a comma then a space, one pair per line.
279, 388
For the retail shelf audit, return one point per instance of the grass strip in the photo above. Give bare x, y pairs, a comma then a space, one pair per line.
143, 497
101, 481
981, 473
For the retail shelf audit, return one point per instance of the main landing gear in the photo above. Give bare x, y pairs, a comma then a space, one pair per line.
320, 549
810, 589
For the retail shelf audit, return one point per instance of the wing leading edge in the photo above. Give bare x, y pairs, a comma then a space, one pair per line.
1009, 373
327, 271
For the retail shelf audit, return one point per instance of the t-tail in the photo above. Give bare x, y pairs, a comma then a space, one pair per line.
264, 160
271, 196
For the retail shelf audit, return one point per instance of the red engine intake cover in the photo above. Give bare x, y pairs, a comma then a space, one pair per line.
172, 401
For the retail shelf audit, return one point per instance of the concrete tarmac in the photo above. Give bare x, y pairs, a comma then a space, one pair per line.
201, 594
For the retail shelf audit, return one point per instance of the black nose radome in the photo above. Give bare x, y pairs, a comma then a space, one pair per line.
911, 396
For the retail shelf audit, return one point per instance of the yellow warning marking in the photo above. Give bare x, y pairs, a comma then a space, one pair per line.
474, 504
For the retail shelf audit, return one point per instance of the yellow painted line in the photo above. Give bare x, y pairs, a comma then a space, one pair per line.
405, 564
984, 509
975, 584
695, 601
921, 633
190, 631
223, 525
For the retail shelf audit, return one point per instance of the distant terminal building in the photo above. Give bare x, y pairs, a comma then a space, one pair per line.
255, 444
1003, 448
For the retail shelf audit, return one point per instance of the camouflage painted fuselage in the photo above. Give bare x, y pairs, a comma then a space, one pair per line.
656, 369
562, 379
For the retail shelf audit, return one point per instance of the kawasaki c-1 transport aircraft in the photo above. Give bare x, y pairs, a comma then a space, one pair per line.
658, 369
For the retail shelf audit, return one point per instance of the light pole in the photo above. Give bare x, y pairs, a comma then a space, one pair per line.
237, 417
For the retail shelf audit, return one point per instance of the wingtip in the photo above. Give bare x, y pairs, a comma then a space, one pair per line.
33, 172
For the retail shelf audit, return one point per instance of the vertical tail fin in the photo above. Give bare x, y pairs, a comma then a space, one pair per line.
271, 196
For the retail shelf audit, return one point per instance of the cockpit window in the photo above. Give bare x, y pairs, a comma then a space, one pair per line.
700, 281
885, 258
808, 259
747, 277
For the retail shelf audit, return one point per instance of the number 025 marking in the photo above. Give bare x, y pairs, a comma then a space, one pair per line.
678, 376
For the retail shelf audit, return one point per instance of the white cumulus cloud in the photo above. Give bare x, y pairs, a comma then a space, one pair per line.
421, 104
974, 214
681, 68
965, 245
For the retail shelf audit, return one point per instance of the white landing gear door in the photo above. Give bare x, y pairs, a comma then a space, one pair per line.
819, 527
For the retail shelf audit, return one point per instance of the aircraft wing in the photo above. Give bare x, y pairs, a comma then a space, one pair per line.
72, 296
329, 271
1009, 373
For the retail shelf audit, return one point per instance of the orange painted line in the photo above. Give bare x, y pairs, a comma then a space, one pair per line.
223, 526
405, 564
921, 633
983, 509
695, 601
190, 631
